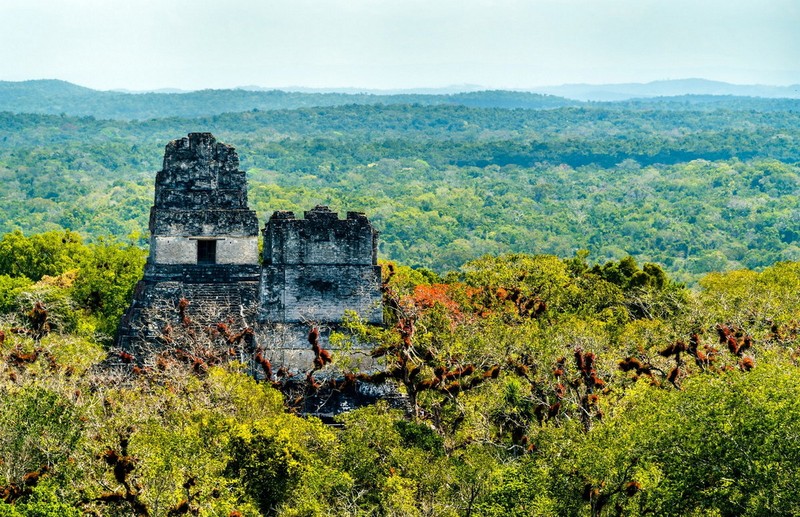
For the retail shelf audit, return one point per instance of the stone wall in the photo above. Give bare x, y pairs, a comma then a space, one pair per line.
319, 293
286, 345
183, 250
200, 222
320, 238
318, 267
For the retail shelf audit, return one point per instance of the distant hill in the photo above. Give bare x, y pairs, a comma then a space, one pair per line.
57, 97
625, 91
705, 103
444, 90
54, 97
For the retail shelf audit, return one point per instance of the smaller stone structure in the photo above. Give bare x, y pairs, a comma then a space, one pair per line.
314, 269
319, 266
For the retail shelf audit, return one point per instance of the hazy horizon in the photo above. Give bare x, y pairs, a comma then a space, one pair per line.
397, 44
423, 88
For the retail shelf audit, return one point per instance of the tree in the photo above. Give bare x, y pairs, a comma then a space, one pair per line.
50, 253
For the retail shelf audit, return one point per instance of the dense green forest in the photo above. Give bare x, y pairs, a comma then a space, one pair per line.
536, 385
695, 190
591, 309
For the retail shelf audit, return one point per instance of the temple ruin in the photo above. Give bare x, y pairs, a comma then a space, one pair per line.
204, 263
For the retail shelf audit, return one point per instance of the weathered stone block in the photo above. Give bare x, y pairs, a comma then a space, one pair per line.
320, 293
320, 238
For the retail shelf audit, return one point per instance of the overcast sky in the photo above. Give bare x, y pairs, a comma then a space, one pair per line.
194, 44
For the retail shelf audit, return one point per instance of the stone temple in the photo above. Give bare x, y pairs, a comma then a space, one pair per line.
204, 263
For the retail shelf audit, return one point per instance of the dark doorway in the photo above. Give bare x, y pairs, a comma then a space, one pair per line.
206, 252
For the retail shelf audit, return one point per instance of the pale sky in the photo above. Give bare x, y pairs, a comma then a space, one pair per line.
386, 44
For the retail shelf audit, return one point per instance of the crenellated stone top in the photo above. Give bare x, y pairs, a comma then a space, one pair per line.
200, 191
319, 238
200, 173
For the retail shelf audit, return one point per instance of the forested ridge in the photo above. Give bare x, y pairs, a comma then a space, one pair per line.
592, 310
57, 97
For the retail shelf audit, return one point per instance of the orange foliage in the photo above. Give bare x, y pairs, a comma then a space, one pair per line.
426, 296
